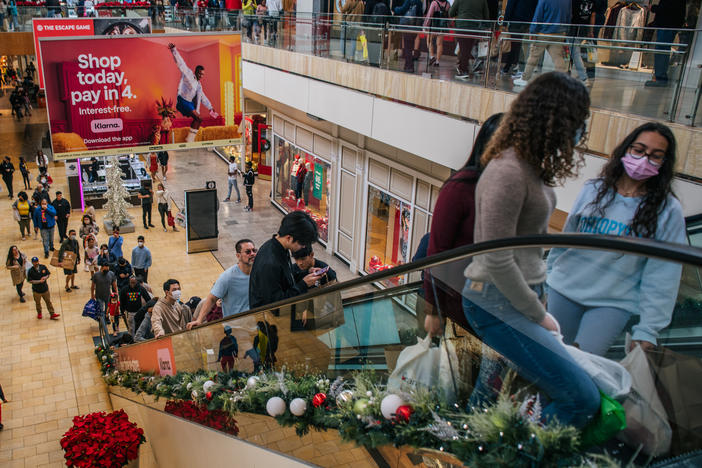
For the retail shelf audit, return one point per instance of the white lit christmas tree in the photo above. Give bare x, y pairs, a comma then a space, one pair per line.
116, 194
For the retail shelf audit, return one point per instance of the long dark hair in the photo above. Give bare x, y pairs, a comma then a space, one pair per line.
10, 258
541, 125
473, 163
658, 187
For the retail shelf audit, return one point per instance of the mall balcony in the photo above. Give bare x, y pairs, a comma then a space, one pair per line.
385, 139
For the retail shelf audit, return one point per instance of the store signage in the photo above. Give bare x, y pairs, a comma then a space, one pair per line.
72, 27
154, 356
318, 181
139, 93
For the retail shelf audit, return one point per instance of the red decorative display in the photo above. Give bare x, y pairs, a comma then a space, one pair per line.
100, 439
375, 265
216, 419
294, 204
319, 399
208, 395
403, 413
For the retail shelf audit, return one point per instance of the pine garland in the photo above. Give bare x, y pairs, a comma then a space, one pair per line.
503, 434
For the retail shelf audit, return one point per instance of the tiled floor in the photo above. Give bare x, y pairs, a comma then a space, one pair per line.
48, 369
192, 169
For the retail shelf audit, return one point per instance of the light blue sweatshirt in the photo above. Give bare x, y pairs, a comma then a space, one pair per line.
141, 258
639, 285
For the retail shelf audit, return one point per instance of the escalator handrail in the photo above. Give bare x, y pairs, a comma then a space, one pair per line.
678, 253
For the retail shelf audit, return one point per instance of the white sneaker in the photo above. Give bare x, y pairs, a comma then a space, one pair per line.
520, 82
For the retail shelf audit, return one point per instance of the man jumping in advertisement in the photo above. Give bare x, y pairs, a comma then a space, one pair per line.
190, 93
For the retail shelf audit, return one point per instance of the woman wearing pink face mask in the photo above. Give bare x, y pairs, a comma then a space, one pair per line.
593, 294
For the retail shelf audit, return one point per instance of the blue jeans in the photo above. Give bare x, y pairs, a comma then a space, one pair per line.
594, 329
575, 52
47, 239
534, 352
233, 183
660, 60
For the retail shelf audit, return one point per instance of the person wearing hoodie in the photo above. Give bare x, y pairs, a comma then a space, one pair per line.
593, 294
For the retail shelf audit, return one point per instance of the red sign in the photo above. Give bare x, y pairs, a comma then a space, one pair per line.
74, 27
53, 27
152, 356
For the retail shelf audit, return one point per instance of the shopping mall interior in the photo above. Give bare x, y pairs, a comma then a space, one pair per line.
509, 205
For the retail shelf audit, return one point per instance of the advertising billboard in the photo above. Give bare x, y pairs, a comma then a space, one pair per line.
142, 93
72, 27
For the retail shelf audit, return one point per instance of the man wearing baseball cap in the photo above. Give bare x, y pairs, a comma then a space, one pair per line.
37, 276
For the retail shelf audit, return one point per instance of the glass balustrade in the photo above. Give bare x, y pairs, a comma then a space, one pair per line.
617, 63
489, 336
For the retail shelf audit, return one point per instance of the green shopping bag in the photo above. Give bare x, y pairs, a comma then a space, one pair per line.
609, 421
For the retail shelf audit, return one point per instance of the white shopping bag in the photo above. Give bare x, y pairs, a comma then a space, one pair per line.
425, 366
609, 376
646, 421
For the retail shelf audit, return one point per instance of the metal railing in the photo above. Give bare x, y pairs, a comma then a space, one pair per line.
617, 62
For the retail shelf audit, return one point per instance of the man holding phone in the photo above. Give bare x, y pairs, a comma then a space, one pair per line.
305, 263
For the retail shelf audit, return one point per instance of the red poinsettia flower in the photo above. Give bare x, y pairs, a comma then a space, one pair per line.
100, 439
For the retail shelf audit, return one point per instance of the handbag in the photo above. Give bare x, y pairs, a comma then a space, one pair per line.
171, 219
591, 51
328, 311
91, 309
426, 366
676, 377
646, 421
610, 420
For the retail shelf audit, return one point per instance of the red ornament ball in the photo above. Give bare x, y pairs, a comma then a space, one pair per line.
403, 413
319, 399
208, 395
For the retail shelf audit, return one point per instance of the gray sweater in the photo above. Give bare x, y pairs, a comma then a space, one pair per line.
512, 200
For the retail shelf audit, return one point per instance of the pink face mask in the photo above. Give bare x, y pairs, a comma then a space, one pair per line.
638, 168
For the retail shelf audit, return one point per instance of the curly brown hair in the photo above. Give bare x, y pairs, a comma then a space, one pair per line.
541, 126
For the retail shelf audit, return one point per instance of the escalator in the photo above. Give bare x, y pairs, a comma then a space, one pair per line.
361, 327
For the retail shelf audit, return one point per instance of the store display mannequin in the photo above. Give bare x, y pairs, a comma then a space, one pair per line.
293, 173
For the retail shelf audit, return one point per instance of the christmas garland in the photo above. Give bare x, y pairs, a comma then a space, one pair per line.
508, 433
192, 411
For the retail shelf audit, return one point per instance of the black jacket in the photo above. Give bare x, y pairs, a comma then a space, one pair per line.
520, 10
62, 208
669, 14
272, 277
7, 168
123, 270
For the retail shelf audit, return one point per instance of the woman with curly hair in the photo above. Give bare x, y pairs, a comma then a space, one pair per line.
504, 294
593, 294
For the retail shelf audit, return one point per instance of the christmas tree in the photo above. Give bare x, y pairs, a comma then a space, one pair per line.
116, 194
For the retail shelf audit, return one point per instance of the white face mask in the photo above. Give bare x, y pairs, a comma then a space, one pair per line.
141, 244
73, 237
176, 294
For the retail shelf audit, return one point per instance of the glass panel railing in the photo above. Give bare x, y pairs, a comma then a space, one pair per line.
627, 70
491, 341
624, 66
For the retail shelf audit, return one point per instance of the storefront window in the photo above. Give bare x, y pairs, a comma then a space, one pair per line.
303, 182
387, 232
